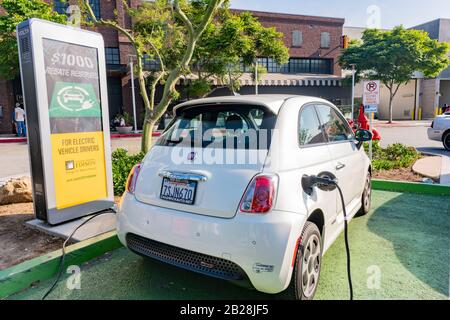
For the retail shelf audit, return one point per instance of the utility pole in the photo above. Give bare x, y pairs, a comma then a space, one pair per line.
133, 94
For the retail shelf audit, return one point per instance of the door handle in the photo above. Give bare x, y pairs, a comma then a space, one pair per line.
340, 166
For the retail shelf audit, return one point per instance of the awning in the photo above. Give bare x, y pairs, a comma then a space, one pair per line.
272, 79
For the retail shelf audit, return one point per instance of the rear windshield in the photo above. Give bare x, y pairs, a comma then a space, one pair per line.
221, 126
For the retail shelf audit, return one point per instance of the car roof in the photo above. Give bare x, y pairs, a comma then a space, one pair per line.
271, 101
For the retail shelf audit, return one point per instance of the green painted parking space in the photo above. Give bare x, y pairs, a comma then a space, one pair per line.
399, 251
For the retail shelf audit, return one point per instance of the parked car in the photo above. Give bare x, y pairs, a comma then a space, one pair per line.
440, 130
249, 222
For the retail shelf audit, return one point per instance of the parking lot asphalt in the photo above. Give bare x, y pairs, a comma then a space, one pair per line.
400, 250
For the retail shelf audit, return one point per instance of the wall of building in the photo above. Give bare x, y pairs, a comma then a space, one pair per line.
7, 104
311, 28
429, 99
445, 93
404, 102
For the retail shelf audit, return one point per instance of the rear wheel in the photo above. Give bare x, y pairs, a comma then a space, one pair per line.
366, 197
446, 140
305, 276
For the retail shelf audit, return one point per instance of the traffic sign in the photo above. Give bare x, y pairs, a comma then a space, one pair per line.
370, 108
371, 94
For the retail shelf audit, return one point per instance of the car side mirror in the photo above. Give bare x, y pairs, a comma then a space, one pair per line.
362, 136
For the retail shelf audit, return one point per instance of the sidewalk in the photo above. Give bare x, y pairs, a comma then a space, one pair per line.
11, 138
436, 168
402, 123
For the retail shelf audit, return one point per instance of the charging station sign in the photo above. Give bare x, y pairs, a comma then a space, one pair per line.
64, 82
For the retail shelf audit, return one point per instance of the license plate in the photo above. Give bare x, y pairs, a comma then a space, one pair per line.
182, 191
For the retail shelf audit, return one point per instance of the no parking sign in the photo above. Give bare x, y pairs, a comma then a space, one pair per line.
371, 96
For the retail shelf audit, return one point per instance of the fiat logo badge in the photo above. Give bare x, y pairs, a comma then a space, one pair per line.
191, 156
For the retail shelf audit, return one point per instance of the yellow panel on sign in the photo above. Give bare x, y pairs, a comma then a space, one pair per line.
79, 168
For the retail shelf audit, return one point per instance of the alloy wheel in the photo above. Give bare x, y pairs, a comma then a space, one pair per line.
311, 266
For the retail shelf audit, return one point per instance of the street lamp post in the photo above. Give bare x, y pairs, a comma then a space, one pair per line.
256, 77
133, 94
353, 91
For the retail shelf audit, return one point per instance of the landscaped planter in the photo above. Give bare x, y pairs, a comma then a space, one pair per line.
124, 130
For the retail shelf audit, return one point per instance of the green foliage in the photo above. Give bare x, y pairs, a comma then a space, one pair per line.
393, 56
261, 71
233, 39
198, 88
395, 156
15, 12
122, 163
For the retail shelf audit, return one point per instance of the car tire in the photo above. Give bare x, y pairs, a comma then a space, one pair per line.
306, 273
366, 198
446, 140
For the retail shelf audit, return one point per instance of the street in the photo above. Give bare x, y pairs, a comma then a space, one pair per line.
15, 160
415, 136
15, 155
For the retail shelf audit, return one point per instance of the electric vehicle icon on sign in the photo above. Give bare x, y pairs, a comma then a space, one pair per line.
235, 188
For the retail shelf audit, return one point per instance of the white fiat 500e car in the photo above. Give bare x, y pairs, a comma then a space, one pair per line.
440, 130
220, 192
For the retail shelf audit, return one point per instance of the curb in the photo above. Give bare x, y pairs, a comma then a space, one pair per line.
410, 187
22, 276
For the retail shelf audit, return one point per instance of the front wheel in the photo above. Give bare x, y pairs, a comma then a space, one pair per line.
366, 198
305, 276
446, 140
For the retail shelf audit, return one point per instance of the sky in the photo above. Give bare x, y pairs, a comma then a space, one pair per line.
358, 13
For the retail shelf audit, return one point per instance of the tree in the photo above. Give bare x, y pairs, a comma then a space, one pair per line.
15, 12
393, 56
233, 40
154, 21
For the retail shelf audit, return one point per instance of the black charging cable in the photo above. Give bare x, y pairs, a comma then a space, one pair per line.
62, 258
347, 247
308, 182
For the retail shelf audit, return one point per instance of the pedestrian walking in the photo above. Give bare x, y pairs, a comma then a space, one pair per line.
20, 121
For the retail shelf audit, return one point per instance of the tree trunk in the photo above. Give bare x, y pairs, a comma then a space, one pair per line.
391, 105
147, 135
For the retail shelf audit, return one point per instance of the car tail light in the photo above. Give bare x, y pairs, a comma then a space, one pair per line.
260, 194
132, 178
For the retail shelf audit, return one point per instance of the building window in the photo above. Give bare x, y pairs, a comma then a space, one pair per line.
150, 64
262, 62
95, 5
112, 55
325, 40
297, 38
316, 66
60, 6
295, 65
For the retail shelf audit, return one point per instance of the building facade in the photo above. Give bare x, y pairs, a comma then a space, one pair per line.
406, 102
314, 45
436, 92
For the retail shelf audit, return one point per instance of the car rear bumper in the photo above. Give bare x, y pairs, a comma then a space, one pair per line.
435, 134
262, 246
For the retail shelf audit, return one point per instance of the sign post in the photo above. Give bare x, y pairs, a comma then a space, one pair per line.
371, 101
64, 84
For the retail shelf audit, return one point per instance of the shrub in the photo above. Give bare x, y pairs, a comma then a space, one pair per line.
394, 156
122, 163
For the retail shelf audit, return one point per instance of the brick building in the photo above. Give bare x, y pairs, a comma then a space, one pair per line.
314, 45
